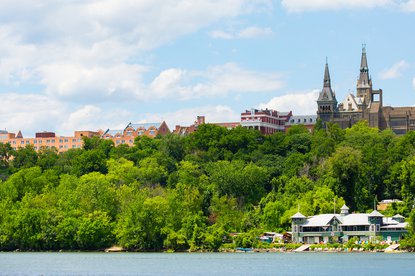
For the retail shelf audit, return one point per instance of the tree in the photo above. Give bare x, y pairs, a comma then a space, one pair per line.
24, 158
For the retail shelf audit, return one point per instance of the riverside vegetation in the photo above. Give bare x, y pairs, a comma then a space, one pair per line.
189, 193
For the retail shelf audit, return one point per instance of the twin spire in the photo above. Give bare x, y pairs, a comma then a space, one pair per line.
364, 78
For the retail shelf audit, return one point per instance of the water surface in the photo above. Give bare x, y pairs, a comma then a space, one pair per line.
17, 263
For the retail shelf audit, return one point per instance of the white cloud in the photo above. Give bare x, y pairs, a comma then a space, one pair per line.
255, 32
80, 83
91, 117
90, 49
28, 112
298, 103
408, 6
394, 71
246, 33
215, 81
313, 5
218, 34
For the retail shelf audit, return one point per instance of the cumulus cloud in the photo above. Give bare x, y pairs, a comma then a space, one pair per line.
28, 112
217, 80
299, 103
246, 33
95, 56
395, 71
314, 5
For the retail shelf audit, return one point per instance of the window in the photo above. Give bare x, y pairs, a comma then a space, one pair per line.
27, 142
66, 140
372, 228
53, 140
35, 141
48, 141
129, 133
60, 146
60, 140
295, 230
305, 120
73, 140
377, 227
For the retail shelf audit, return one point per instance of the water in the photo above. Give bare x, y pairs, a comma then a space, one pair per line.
206, 264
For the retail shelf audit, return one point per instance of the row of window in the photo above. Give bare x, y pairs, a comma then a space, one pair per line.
340, 228
303, 121
48, 141
49, 147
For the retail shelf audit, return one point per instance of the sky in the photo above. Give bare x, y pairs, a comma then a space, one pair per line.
89, 65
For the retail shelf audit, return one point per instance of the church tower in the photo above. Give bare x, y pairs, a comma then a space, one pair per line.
364, 83
327, 103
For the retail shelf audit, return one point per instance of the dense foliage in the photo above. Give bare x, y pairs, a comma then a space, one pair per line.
191, 192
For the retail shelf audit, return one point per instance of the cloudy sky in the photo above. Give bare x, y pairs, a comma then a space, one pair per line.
76, 65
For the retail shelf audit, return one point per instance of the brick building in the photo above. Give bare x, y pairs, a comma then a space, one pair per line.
131, 131
47, 140
267, 121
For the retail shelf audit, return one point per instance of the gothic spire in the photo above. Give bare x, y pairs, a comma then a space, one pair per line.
364, 79
327, 75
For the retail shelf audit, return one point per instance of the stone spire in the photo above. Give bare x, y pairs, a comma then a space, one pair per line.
364, 78
327, 93
327, 82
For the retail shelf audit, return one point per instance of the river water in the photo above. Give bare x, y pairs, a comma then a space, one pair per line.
17, 263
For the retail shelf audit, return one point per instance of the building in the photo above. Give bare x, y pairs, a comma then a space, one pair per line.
267, 121
341, 227
306, 120
366, 105
185, 130
131, 131
46, 140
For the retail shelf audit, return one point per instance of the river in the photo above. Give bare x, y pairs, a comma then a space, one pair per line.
18, 263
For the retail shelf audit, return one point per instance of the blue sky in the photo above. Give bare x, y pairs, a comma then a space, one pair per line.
77, 65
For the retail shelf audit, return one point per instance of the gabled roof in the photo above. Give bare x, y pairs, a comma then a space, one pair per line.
321, 220
298, 215
375, 213
113, 132
398, 216
19, 135
143, 126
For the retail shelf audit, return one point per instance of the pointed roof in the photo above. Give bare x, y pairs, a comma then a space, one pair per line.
19, 135
327, 76
364, 79
327, 93
398, 216
344, 207
375, 213
298, 215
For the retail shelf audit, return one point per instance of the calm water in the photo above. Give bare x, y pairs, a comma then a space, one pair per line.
206, 264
